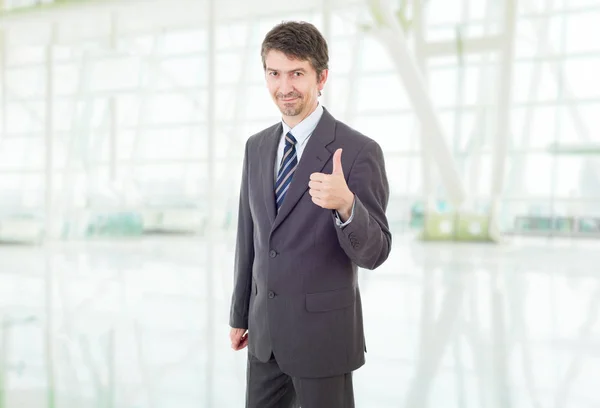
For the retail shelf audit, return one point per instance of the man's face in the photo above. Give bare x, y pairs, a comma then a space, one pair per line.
293, 85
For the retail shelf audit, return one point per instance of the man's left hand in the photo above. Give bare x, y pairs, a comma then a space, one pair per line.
330, 191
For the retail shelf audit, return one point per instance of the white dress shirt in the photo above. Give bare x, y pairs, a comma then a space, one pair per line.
302, 132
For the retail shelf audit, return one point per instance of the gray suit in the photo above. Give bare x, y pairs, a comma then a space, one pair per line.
295, 286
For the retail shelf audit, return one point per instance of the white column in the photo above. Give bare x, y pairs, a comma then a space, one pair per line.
49, 134
48, 219
327, 34
211, 194
3, 82
211, 116
504, 102
112, 106
392, 36
426, 159
49, 330
4, 346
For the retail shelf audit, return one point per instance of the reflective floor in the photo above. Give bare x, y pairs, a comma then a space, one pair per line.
143, 324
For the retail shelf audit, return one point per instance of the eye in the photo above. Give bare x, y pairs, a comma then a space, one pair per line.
298, 73
272, 73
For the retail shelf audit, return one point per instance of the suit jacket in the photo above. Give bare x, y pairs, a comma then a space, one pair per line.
295, 279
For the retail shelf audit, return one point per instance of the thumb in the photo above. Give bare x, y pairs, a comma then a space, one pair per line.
337, 162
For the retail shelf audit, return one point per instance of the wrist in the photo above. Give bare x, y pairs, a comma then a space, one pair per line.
346, 211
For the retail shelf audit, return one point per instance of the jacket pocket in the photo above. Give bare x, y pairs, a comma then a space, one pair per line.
331, 300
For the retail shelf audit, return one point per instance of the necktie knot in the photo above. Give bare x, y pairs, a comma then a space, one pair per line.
290, 139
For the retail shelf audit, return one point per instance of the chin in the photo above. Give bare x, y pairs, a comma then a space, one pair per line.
287, 112
293, 110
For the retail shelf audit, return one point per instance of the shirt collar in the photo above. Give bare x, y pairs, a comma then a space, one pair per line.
305, 128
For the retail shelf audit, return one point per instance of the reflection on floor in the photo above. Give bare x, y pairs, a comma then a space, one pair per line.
143, 324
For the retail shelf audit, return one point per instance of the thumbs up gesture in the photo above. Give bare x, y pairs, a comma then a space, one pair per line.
330, 191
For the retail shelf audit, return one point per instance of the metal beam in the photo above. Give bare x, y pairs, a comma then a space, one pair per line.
46, 7
483, 104
468, 46
567, 98
144, 95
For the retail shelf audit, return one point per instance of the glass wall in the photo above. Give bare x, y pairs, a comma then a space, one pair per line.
116, 102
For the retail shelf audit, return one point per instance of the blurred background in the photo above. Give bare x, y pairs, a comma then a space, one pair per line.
123, 126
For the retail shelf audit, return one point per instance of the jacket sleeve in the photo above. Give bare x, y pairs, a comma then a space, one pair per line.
367, 239
244, 256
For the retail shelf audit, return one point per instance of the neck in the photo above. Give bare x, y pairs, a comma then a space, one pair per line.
292, 121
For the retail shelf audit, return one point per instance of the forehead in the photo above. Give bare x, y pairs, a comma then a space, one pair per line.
280, 61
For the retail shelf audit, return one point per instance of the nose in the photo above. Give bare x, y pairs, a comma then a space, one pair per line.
285, 85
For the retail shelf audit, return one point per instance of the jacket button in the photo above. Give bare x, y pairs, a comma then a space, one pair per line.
271, 294
272, 253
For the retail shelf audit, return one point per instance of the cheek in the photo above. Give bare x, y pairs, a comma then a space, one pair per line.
272, 85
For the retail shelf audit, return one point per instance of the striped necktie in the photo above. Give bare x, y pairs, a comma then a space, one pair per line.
289, 162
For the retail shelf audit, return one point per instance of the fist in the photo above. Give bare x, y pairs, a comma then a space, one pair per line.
330, 191
239, 338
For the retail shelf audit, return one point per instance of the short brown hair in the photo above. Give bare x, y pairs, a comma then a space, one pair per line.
300, 40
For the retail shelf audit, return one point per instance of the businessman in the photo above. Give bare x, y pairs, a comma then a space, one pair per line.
312, 207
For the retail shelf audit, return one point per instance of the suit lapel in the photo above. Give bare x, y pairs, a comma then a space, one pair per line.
269, 147
313, 159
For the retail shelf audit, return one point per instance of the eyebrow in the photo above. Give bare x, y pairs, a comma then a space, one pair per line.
291, 70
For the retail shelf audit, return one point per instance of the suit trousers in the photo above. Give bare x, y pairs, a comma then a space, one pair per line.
268, 387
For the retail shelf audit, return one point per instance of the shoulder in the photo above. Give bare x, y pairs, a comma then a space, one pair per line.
262, 136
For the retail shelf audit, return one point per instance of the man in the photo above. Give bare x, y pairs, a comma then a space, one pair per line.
312, 210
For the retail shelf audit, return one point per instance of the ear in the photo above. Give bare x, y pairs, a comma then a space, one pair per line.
322, 79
